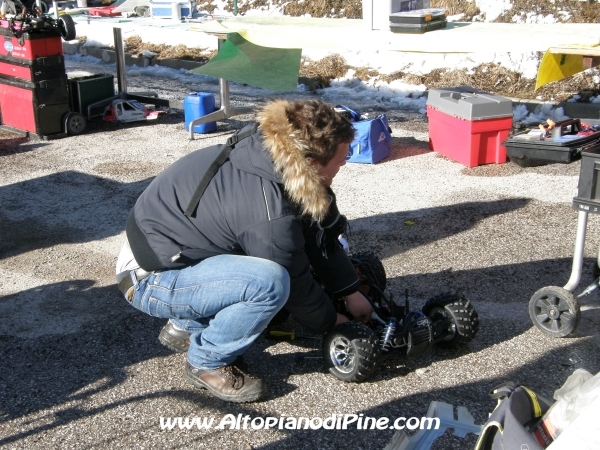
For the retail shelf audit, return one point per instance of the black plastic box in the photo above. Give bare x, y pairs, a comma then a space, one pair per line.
417, 28
419, 16
90, 90
418, 21
527, 149
588, 190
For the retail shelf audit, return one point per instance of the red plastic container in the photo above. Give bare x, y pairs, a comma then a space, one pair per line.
469, 126
469, 142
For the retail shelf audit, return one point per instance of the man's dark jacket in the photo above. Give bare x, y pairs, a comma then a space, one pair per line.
265, 201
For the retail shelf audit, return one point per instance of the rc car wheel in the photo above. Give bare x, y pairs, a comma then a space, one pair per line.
351, 351
554, 311
66, 26
459, 313
75, 123
376, 266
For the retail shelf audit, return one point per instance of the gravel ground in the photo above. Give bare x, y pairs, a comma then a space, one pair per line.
82, 369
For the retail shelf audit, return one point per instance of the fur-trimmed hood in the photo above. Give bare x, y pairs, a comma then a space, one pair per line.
287, 151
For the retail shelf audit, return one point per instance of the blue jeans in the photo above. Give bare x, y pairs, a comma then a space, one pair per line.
225, 302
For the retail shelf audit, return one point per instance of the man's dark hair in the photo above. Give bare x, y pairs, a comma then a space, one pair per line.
320, 126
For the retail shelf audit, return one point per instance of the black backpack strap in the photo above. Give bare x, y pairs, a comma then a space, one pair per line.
214, 167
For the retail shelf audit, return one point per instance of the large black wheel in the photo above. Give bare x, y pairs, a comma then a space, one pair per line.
456, 314
351, 351
66, 25
75, 123
375, 265
554, 311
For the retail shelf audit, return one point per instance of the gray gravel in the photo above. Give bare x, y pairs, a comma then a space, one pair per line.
82, 369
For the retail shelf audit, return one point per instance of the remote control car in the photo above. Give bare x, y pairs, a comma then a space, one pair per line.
352, 350
121, 110
26, 17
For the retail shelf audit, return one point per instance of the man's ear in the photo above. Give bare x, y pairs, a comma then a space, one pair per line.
314, 163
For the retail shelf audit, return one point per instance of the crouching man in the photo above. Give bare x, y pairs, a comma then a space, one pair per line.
228, 235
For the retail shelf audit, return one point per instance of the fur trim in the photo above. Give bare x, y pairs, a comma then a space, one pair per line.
301, 181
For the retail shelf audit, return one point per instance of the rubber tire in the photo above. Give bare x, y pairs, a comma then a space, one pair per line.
569, 313
66, 26
460, 311
75, 123
361, 342
376, 266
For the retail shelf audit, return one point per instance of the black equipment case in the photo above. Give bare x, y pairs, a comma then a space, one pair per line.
418, 21
532, 148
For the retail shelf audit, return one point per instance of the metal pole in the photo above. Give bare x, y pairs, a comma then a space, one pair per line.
578, 254
120, 57
235, 10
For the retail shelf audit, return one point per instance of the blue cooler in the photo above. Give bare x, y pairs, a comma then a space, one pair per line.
199, 105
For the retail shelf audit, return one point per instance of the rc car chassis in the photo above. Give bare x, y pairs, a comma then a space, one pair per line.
32, 19
352, 350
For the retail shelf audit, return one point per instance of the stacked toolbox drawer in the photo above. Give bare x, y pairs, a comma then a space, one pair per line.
34, 95
418, 21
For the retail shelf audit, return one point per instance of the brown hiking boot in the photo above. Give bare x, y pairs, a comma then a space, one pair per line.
230, 383
173, 338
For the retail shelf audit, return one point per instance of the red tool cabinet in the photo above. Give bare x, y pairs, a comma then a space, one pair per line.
34, 96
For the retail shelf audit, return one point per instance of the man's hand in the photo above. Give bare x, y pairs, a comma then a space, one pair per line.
358, 306
341, 319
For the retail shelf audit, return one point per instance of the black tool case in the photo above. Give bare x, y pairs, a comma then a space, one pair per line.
588, 189
564, 145
418, 21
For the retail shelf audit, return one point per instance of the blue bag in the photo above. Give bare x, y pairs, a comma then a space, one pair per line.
372, 139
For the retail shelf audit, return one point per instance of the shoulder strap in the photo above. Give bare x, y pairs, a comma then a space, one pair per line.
355, 115
214, 167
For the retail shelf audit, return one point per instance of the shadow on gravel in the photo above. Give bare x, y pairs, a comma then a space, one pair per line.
62, 208
392, 233
85, 340
82, 362
543, 375
17, 144
404, 147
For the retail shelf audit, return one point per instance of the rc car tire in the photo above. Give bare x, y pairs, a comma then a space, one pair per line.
66, 26
75, 123
376, 266
463, 317
554, 311
351, 352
